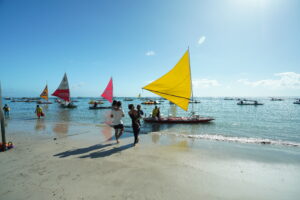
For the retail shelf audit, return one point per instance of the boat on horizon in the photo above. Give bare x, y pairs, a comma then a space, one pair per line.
176, 86
249, 103
63, 92
276, 99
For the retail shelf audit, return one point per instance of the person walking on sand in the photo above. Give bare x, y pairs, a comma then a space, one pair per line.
39, 111
134, 115
6, 110
117, 114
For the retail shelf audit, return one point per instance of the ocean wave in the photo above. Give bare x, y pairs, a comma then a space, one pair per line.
235, 139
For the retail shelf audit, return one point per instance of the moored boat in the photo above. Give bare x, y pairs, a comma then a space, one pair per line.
249, 103
176, 86
179, 120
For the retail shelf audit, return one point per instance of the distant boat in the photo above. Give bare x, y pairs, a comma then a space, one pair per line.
249, 103
107, 94
176, 86
151, 102
194, 101
63, 92
128, 99
297, 101
44, 95
276, 99
228, 98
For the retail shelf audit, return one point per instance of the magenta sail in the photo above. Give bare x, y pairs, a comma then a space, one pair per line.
108, 92
63, 90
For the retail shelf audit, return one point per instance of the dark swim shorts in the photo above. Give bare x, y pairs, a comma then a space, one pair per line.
119, 126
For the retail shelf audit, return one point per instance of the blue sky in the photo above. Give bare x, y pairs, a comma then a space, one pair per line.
237, 47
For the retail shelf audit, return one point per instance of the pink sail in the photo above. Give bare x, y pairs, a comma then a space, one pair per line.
63, 90
108, 92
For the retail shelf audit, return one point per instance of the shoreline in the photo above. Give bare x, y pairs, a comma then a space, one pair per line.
82, 165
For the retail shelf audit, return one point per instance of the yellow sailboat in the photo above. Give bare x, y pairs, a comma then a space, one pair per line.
176, 86
44, 95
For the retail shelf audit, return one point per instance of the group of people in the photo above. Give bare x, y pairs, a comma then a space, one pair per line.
117, 114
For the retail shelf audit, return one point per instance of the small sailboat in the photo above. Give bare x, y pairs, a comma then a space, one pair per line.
63, 92
176, 86
44, 95
107, 94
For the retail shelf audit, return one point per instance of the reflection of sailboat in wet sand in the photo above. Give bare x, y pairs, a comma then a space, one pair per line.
62, 127
63, 92
107, 94
44, 95
176, 86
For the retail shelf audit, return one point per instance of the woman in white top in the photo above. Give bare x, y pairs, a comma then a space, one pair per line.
117, 114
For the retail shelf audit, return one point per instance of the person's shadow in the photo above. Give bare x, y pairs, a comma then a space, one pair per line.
81, 150
109, 152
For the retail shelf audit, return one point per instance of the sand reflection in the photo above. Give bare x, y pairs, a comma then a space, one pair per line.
40, 125
61, 128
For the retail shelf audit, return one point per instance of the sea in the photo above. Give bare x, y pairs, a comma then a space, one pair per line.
275, 123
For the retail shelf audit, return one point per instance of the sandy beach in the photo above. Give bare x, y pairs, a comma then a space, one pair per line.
161, 166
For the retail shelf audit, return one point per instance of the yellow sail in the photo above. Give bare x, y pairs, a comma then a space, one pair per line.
176, 84
44, 94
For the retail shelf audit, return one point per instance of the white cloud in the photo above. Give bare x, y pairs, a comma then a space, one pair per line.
290, 80
201, 40
150, 53
205, 83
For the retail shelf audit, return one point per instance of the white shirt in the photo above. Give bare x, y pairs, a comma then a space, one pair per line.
117, 116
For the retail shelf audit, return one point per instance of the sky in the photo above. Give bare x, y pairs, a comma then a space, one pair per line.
237, 47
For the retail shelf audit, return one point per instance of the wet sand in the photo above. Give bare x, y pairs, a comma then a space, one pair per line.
78, 161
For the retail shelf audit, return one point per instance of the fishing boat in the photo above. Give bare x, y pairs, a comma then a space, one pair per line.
276, 99
249, 103
176, 86
195, 101
107, 94
63, 92
44, 95
150, 102
297, 101
128, 99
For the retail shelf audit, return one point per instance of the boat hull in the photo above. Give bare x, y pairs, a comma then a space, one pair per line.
178, 120
68, 106
250, 104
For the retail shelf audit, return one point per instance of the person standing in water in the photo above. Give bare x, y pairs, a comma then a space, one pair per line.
6, 110
134, 115
39, 111
117, 114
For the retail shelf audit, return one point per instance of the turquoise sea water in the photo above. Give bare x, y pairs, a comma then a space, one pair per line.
275, 122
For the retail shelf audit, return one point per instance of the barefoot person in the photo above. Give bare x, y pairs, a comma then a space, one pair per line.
39, 111
134, 115
117, 114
